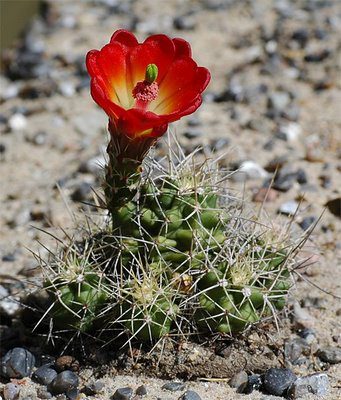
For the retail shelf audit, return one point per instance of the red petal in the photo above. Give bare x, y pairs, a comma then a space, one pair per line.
182, 48
180, 100
100, 96
157, 49
124, 37
111, 61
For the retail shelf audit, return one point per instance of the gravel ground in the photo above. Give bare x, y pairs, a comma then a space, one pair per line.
274, 100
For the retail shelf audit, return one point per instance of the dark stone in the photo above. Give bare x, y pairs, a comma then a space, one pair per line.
334, 206
174, 386
72, 394
64, 382
301, 36
318, 56
301, 176
277, 380
239, 381
2, 148
218, 144
10, 257
255, 382
17, 363
193, 133
190, 395
331, 355
307, 222
141, 391
184, 22
94, 388
284, 182
81, 192
125, 393
294, 349
44, 375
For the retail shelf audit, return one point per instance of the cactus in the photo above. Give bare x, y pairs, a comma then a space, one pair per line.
176, 259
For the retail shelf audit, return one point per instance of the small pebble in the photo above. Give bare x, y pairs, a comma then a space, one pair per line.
190, 395
289, 208
317, 384
42, 393
331, 355
289, 132
17, 363
82, 192
17, 122
63, 382
265, 194
66, 362
11, 391
44, 375
95, 387
309, 335
277, 380
307, 222
252, 170
174, 386
125, 393
294, 349
255, 382
239, 381
141, 391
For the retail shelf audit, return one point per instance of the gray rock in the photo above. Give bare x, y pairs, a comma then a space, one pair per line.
90, 123
141, 391
271, 397
42, 393
294, 349
289, 132
289, 208
278, 101
174, 386
11, 391
307, 222
95, 387
125, 393
184, 22
44, 375
309, 335
317, 384
193, 133
239, 381
63, 382
17, 363
190, 395
331, 355
255, 382
284, 182
252, 170
82, 192
277, 380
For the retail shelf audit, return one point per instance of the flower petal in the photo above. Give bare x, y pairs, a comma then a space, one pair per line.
158, 50
182, 48
124, 37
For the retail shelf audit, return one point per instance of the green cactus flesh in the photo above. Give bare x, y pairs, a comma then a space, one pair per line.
177, 240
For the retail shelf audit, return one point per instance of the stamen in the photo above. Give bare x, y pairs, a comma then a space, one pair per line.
145, 91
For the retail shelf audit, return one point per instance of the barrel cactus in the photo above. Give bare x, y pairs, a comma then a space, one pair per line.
177, 257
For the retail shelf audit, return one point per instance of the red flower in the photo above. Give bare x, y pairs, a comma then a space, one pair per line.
137, 105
